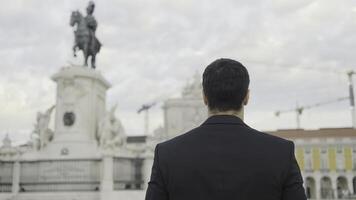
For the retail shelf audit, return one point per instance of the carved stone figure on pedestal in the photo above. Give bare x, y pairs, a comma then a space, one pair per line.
84, 34
111, 132
42, 132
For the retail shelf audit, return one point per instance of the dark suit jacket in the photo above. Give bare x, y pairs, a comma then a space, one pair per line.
225, 159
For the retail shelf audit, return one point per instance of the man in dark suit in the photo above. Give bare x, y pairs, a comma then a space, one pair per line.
224, 158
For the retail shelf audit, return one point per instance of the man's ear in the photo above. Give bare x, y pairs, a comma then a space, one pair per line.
247, 98
205, 99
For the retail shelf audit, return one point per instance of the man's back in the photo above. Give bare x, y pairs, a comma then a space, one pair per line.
225, 159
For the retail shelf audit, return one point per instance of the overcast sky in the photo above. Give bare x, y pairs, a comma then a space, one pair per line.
296, 51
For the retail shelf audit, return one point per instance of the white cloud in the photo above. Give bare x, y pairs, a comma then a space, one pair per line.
150, 49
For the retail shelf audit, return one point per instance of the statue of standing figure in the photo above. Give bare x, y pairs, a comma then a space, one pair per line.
110, 131
84, 35
42, 131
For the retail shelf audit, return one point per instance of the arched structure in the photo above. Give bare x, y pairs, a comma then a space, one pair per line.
326, 189
342, 187
310, 188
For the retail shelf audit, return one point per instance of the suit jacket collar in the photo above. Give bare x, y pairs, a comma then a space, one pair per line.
224, 119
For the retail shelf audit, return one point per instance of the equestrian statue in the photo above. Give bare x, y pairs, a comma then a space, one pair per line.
84, 35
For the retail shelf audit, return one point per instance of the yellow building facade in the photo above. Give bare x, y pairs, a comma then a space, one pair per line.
327, 159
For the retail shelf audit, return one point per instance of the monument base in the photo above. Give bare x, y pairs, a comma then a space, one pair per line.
80, 107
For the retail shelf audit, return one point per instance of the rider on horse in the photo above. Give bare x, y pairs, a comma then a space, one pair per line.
91, 23
85, 39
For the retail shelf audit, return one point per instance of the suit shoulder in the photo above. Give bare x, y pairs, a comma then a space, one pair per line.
267, 137
180, 139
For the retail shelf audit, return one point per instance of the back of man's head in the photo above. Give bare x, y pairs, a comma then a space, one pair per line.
225, 85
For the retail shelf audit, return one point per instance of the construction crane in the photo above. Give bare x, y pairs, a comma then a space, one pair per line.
299, 109
351, 97
146, 108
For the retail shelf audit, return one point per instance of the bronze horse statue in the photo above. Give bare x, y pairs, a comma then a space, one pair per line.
85, 39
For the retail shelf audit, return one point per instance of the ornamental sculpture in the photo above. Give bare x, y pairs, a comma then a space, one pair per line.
84, 35
42, 134
110, 132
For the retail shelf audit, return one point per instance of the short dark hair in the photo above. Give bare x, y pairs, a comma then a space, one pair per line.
225, 84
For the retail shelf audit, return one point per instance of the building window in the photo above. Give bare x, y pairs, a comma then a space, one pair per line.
354, 157
324, 163
340, 158
308, 159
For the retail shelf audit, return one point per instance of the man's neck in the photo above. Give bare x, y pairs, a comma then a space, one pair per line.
239, 114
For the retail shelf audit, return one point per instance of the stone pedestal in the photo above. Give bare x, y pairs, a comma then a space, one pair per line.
80, 105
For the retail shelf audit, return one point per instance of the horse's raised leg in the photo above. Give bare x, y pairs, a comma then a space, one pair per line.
74, 50
85, 52
93, 61
86, 61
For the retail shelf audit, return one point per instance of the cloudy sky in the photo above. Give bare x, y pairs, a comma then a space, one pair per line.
296, 52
